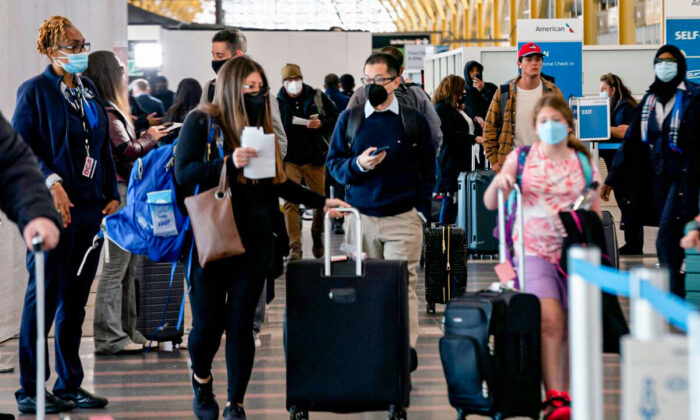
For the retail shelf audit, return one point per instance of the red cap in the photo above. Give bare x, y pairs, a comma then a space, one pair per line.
529, 49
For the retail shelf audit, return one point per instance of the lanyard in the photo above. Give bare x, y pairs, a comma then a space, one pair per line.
88, 119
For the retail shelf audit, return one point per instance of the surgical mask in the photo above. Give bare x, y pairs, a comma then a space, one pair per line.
666, 71
376, 94
77, 63
217, 64
293, 87
604, 95
552, 132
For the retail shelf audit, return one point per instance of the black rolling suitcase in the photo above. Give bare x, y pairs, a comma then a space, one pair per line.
445, 251
491, 352
347, 340
157, 300
480, 221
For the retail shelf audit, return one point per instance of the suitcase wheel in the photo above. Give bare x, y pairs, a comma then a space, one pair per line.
295, 414
431, 307
396, 413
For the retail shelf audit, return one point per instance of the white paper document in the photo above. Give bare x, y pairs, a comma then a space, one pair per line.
300, 121
262, 166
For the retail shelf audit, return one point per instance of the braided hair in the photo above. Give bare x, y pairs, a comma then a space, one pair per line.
51, 32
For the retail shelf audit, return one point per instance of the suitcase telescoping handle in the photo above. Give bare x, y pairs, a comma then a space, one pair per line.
327, 241
39, 262
502, 246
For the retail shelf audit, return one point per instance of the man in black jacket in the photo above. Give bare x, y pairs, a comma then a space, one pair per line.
308, 116
23, 195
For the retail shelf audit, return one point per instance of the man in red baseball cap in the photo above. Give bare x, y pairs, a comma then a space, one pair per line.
508, 122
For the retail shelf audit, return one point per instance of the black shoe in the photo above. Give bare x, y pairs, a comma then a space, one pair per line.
627, 250
234, 412
53, 404
83, 399
204, 404
338, 227
414, 360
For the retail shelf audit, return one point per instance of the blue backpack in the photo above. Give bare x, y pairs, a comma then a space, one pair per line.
151, 223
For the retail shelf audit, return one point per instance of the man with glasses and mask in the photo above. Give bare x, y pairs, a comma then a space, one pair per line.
407, 94
225, 45
308, 116
383, 152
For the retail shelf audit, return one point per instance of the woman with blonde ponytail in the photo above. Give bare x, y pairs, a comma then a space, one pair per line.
551, 179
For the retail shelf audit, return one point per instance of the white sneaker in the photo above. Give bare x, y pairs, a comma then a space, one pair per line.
258, 343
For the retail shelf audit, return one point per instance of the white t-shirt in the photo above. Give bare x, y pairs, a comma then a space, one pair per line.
525, 101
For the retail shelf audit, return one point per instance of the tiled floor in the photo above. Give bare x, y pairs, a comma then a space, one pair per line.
156, 385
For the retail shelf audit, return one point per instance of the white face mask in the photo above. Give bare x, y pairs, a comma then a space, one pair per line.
604, 95
293, 87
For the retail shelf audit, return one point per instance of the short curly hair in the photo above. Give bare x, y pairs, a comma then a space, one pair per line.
51, 32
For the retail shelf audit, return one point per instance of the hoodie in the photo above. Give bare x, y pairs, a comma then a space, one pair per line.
477, 103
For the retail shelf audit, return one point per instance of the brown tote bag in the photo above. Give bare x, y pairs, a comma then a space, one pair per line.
215, 231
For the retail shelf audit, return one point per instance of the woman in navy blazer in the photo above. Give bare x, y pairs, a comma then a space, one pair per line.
63, 120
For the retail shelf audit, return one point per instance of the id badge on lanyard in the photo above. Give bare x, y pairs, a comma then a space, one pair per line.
90, 164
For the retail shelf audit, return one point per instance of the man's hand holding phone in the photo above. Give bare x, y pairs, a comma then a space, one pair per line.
478, 82
371, 157
314, 122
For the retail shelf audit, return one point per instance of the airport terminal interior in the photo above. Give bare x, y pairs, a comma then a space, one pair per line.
171, 286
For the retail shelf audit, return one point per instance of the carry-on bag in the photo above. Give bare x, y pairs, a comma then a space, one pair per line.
479, 220
491, 349
159, 298
445, 251
346, 334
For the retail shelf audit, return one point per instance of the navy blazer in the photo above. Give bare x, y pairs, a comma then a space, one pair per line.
41, 118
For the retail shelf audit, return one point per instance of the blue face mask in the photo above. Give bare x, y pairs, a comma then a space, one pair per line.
666, 71
552, 132
77, 63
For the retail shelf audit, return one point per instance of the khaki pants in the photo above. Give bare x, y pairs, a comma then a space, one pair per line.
314, 176
397, 237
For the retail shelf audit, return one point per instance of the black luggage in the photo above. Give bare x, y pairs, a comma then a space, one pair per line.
346, 335
157, 300
491, 349
491, 354
480, 221
611, 250
445, 251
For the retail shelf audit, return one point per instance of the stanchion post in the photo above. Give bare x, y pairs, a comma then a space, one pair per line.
647, 323
585, 339
694, 365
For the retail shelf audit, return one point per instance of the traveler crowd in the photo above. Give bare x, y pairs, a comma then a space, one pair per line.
386, 148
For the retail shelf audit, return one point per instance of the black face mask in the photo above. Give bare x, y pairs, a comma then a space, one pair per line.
462, 99
376, 94
217, 64
254, 106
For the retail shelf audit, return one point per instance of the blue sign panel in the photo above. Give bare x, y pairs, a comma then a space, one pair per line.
594, 122
564, 62
685, 34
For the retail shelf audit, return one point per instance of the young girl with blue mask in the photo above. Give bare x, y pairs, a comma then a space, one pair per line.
551, 179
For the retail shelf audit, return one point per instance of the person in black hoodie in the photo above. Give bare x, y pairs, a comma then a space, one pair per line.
658, 165
479, 93
225, 293
457, 139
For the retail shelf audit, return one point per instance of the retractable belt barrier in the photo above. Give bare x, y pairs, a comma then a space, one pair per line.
650, 308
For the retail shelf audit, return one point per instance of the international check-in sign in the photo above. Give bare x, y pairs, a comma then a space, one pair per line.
561, 41
683, 31
592, 117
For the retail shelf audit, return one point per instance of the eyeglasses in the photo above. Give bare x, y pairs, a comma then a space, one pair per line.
74, 49
261, 89
665, 60
377, 80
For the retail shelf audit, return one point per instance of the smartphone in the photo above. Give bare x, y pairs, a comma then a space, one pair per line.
379, 150
313, 117
167, 124
478, 76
